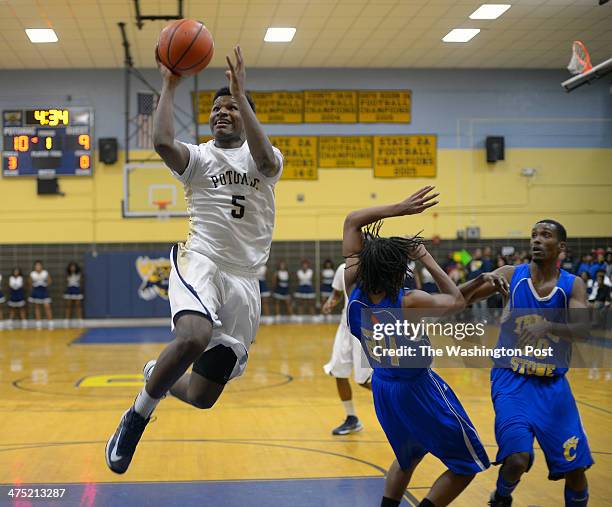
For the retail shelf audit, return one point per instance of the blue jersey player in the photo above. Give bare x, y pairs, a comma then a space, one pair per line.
417, 410
531, 396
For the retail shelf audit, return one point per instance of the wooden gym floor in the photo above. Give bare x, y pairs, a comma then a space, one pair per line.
267, 442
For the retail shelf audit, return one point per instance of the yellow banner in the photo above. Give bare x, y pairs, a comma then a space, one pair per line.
330, 106
204, 104
300, 156
345, 152
384, 106
279, 107
405, 156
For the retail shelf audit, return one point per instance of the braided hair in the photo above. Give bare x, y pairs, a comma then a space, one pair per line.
383, 262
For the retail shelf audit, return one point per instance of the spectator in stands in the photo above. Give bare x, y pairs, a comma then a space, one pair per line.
475, 269
40, 280
17, 298
566, 262
427, 282
487, 260
609, 264
584, 264
598, 265
599, 299
587, 281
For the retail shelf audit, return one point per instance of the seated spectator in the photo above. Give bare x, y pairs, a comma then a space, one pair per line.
609, 264
598, 265
599, 299
584, 264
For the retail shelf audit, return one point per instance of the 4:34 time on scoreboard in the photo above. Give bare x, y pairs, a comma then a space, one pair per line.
50, 141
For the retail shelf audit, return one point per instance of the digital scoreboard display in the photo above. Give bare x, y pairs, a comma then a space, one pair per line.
47, 141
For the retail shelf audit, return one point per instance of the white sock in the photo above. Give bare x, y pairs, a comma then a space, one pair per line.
144, 404
349, 408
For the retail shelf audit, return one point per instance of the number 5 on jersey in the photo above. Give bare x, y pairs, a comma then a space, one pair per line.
238, 211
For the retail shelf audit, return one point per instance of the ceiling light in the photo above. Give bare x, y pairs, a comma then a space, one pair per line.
279, 34
489, 11
41, 35
461, 34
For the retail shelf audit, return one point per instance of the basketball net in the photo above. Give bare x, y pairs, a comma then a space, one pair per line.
581, 61
163, 213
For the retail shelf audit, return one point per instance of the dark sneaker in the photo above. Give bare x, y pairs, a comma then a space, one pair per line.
500, 501
350, 425
122, 445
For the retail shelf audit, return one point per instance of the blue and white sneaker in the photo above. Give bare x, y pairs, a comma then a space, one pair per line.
121, 446
350, 425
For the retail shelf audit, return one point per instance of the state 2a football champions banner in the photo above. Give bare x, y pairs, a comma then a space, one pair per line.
127, 284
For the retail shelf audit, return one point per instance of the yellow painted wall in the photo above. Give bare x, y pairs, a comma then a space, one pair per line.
571, 185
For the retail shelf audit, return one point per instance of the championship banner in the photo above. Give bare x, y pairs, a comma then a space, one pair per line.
330, 106
202, 104
384, 106
341, 152
300, 156
412, 156
279, 107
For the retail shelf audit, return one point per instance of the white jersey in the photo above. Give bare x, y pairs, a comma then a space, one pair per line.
73, 280
338, 284
39, 279
230, 205
304, 276
16, 282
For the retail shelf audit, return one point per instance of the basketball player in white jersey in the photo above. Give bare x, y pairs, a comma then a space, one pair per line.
347, 356
213, 289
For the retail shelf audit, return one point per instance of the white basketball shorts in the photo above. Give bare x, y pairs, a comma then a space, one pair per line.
347, 356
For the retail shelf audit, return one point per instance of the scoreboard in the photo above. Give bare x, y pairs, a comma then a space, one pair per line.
47, 141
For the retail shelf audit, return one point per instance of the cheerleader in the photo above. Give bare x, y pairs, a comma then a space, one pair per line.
40, 280
327, 278
305, 294
17, 296
281, 289
73, 294
264, 293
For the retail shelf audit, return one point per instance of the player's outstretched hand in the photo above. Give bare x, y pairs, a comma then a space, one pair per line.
419, 201
169, 77
498, 281
236, 73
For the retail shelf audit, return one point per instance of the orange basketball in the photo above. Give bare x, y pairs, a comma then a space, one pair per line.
185, 46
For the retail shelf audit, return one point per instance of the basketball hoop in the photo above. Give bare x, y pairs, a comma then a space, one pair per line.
581, 61
163, 213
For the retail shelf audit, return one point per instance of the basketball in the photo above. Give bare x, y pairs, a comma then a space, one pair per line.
185, 46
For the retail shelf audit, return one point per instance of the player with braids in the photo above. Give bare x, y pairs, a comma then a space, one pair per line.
417, 410
383, 262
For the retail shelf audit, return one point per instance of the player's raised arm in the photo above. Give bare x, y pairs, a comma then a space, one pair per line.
173, 153
450, 297
352, 239
259, 144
